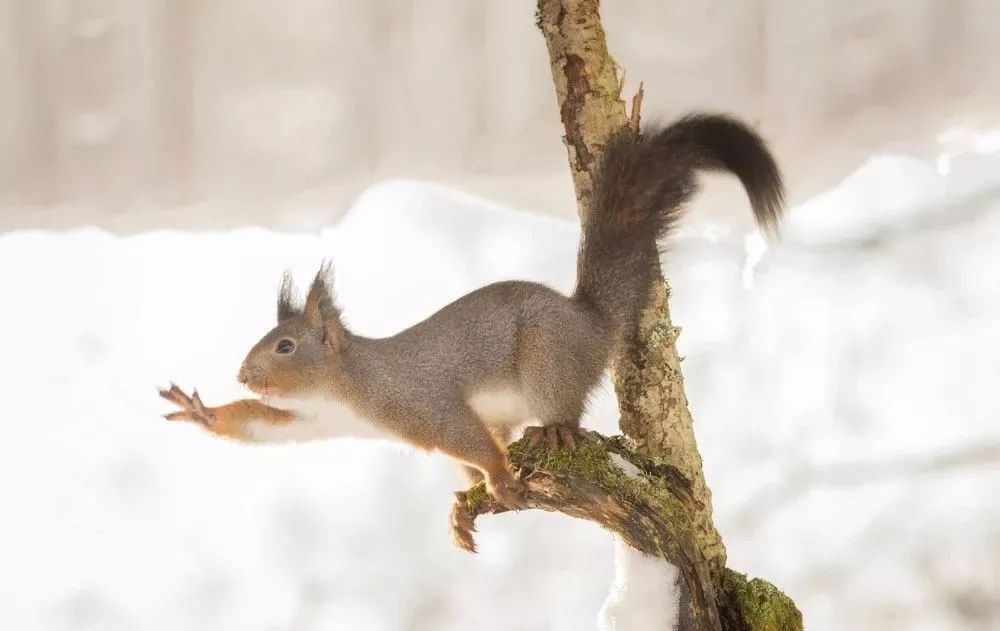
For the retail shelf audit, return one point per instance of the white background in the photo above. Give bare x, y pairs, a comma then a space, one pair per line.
161, 163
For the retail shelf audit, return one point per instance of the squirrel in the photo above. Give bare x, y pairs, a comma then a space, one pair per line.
503, 355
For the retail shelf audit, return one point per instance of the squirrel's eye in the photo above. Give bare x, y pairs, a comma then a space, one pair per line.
285, 346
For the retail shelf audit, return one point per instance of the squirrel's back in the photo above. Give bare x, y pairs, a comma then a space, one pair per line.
518, 331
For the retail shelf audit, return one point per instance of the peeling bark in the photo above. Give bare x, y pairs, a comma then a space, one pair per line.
587, 86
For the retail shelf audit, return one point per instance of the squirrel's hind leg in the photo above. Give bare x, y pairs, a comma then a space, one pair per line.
503, 436
459, 433
556, 387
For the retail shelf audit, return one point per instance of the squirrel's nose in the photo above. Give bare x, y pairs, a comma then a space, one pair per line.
243, 376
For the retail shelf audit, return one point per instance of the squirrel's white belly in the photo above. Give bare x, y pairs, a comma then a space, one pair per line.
500, 406
317, 418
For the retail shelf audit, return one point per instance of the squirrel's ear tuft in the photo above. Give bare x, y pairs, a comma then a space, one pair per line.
287, 298
321, 312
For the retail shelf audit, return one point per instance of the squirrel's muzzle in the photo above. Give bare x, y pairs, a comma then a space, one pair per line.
244, 375
252, 377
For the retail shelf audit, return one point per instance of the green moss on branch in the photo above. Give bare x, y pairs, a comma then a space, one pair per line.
651, 506
476, 497
756, 605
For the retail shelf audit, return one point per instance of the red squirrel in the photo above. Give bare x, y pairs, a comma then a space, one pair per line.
512, 352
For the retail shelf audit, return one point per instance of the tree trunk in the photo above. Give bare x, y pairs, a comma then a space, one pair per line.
647, 487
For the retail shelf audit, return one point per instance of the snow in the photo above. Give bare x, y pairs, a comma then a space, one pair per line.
846, 353
645, 593
122, 520
630, 469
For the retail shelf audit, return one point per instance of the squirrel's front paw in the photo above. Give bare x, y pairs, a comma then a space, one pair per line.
507, 489
191, 407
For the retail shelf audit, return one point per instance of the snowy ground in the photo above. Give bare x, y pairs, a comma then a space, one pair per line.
843, 387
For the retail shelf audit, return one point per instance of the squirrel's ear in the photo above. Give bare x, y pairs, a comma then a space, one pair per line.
287, 297
321, 312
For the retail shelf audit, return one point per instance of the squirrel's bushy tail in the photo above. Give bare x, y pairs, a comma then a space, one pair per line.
639, 193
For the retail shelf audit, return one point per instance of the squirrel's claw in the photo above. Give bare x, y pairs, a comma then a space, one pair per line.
192, 408
507, 490
555, 436
198, 406
176, 396
566, 435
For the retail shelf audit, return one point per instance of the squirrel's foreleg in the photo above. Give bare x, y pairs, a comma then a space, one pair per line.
232, 420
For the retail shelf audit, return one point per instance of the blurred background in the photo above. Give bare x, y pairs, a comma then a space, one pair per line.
161, 161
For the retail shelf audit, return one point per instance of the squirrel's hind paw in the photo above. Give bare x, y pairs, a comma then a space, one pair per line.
556, 436
508, 490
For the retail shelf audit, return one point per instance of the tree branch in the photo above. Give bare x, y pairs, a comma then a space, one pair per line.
648, 486
586, 83
647, 504
648, 381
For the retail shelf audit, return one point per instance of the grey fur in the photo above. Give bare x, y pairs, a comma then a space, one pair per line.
520, 336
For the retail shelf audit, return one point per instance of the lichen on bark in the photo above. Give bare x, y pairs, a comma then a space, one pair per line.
655, 414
